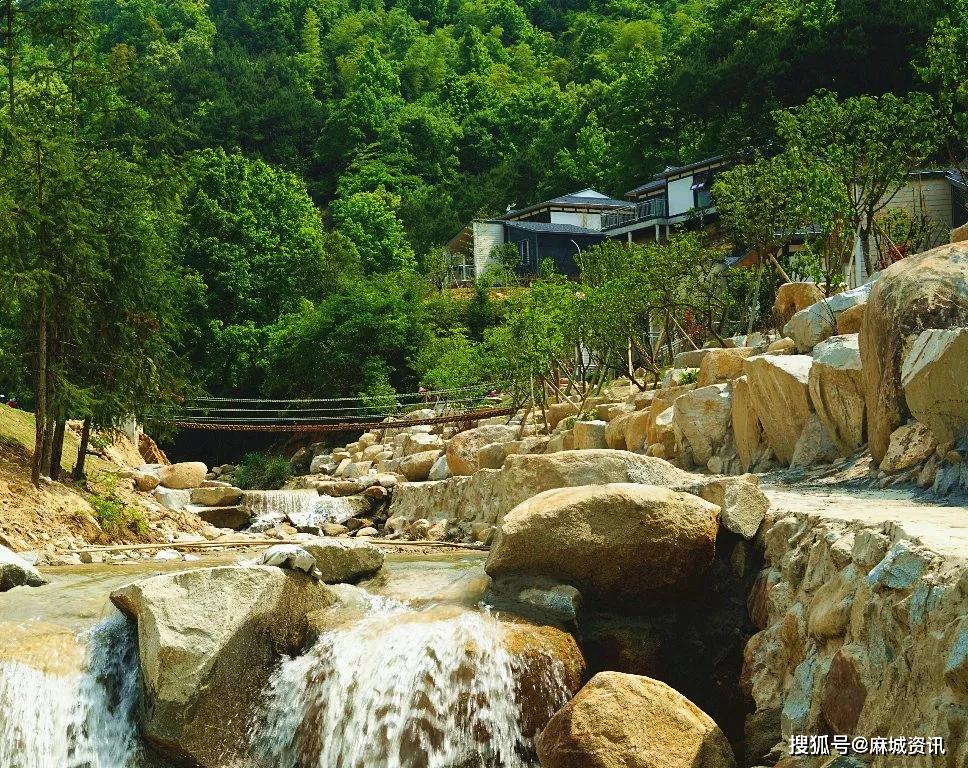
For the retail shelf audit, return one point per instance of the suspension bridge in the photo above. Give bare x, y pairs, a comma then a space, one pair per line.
341, 414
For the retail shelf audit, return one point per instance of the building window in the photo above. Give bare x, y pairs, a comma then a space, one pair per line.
524, 251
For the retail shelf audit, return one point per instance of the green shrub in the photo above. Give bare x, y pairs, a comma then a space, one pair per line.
689, 376
258, 471
116, 518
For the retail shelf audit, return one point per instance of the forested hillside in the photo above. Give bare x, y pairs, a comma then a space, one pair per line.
249, 196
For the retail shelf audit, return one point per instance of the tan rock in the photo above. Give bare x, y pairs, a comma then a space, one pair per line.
558, 412
721, 365
235, 516
492, 455
664, 398
703, 417
814, 445
935, 381
462, 448
836, 384
850, 320
691, 358
616, 430
909, 445
420, 443
637, 431
780, 397
664, 431
216, 497
145, 481
184, 475
747, 430
792, 297
741, 502
627, 721
417, 466
784, 346
959, 234
615, 543
928, 290
590, 435
810, 326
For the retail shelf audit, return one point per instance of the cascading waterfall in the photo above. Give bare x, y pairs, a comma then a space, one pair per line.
85, 720
401, 688
299, 507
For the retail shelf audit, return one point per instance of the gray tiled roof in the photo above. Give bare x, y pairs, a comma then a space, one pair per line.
544, 226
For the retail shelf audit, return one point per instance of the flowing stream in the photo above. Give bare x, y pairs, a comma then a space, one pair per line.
301, 508
414, 675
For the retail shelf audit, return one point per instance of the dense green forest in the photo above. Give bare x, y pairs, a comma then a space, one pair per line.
249, 196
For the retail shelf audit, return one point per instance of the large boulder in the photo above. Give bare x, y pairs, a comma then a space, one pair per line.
344, 560
617, 429
702, 417
637, 430
741, 503
463, 448
792, 297
558, 412
910, 444
935, 381
721, 365
184, 475
208, 640
836, 384
810, 326
617, 544
779, 386
626, 721
17, 572
416, 467
929, 290
664, 399
747, 430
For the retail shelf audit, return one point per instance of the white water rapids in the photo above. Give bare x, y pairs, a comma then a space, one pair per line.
400, 688
84, 720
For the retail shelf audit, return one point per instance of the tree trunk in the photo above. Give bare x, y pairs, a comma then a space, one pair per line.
865, 248
49, 428
82, 450
57, 449
40, 391
10, 60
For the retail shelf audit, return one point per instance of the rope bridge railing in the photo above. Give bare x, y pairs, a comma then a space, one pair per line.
324, 415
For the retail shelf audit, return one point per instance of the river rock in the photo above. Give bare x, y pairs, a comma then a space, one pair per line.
626, 721
543, 658
935, 382
208, 640
779, 385
810, 326
793, 297
216, 496
836, 385
618, 543
235, 517
15, 571
290, 556
187, 474
417, 466
590, 434
928, 290
702, 417
344, 560
462, 448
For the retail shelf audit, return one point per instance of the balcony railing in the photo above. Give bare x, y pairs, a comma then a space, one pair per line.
654, 208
